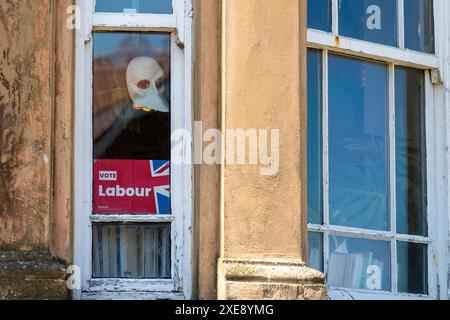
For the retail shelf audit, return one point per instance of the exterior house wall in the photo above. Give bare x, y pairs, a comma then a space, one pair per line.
249, 73
263, 217
207, 74
35, 229
26, 92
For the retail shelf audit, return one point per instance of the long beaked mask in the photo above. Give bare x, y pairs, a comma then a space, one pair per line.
144, 75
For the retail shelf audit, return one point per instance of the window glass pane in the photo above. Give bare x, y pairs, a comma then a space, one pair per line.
314, 136
412, 268
315, 250
410, 152
358, 158
319, 14
134, 251
359, 264
370, 20
131, 123
419, 25
135, 6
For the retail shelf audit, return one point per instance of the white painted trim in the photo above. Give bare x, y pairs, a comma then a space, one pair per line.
392, 180
335, 17
367, 234
131, 218
346, 294
135, 21
319, 39
325, 159
135, 296
401, 24
83, 151
131, 285
181, 175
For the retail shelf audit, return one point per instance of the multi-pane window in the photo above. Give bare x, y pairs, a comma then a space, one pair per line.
367, 147
398, 23
136, 211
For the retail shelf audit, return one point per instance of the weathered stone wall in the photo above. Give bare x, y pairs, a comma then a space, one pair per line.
36, 87
25, 123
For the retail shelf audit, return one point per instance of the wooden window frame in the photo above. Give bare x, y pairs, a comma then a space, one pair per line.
434, 66
179, 26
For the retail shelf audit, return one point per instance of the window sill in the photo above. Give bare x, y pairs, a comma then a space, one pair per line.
348, 294
132, 295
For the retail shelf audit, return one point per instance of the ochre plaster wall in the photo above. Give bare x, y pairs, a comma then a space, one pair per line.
263, 87
26, 91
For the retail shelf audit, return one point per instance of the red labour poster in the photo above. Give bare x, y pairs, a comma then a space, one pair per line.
132, 187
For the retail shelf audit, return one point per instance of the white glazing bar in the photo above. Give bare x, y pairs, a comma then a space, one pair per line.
364, 49
325, 155
401, 23
117, 218
367, 234
392, 176
335, 17
112, 21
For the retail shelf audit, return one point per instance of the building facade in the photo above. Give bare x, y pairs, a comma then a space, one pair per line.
197, 149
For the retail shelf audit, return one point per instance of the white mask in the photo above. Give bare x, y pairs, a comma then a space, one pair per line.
143, 74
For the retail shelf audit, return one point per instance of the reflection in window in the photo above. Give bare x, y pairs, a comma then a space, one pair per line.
358, 158
131, 123
137, 251
131, 96
314, 136
370, 20
410, 152
412, 268
359, 264
319, 15
419, 25
135, 6
315, 250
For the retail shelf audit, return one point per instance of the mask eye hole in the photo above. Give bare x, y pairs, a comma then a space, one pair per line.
143, 84
159, 83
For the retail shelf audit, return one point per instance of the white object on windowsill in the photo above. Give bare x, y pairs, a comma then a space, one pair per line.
130, 11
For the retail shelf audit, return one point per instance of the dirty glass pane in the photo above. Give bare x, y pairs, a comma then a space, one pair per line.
358, 143
359, 264
315, 250
135, 6
137, 251
131, 123
410, 152
315, 213
419, 25
319, 15
370, 20
412, 268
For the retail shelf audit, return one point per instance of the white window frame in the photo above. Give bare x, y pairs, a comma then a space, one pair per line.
179, 26
437, 119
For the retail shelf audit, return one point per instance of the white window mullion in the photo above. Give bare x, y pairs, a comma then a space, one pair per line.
325, 158
392, 177
401, 24
335, 17
433, 222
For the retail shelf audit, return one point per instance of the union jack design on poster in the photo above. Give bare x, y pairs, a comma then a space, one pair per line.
132, 187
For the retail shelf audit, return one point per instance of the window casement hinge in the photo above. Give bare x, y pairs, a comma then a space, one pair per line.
436, 77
